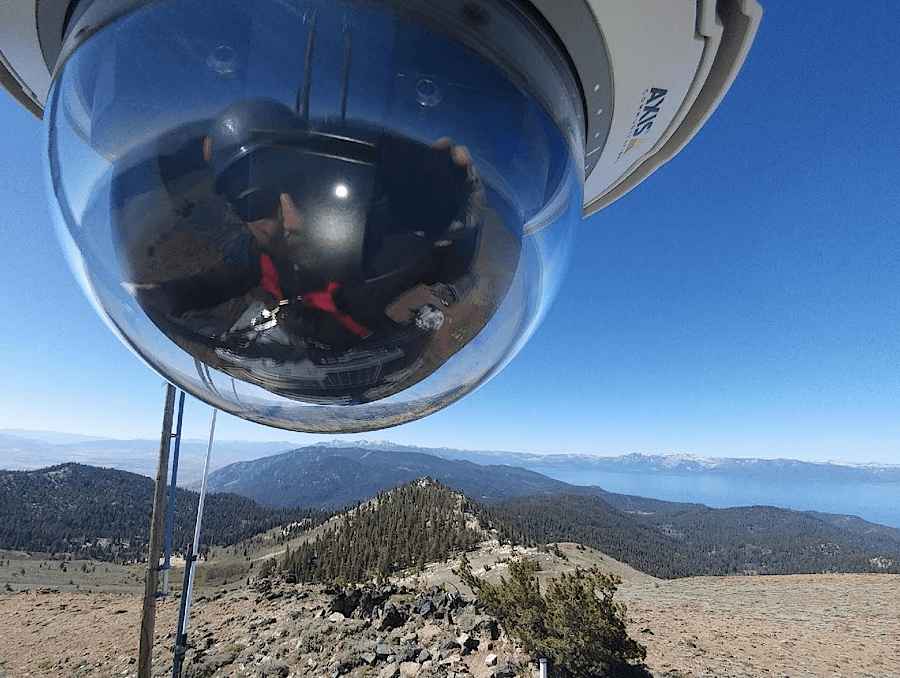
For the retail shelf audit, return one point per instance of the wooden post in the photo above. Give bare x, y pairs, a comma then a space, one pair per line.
157, 531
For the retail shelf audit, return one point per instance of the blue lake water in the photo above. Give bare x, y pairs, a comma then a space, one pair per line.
875, 502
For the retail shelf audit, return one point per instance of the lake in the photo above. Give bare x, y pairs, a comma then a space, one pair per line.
875, 502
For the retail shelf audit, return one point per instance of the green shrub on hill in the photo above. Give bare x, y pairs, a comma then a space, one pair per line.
574, 623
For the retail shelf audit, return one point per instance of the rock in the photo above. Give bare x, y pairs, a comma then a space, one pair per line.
408, 654
383, 650
487, 627
368, 601
275, 669
347, 601
391, 616
336, 617
369, 658
490, 660
509, 669
468, 643
390, 671
410, 669
450, 644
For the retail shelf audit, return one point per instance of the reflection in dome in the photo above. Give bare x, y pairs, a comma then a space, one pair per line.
332, 267
322, 215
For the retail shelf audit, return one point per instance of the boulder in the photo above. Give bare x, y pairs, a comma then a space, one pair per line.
450, 644
408, 654
391, 616
468, 643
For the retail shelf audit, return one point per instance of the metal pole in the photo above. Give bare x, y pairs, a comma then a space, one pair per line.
148, 616
173, 491
181, 644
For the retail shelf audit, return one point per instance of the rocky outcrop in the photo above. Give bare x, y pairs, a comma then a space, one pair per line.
384, 631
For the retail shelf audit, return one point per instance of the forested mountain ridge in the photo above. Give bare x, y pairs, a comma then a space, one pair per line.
682, 517
333, 477
669, 540
420, 522
105, 513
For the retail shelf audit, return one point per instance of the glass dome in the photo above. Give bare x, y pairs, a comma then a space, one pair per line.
321, 216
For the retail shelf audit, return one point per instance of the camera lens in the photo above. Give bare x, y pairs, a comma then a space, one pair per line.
322, 216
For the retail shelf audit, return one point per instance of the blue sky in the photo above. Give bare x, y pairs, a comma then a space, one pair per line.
743, 301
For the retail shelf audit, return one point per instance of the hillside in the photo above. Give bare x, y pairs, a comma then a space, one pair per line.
104, 514
332, 477
668, 540
729, 627
420, 522
32, 450
269, 626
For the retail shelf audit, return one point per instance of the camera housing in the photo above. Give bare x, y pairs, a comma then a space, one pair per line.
338, 216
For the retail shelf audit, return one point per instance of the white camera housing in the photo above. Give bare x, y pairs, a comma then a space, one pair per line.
692, 49
340, 215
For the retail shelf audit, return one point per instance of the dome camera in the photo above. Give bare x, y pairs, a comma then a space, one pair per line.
342, 215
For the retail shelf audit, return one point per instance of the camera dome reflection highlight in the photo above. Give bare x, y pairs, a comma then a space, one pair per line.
308, 245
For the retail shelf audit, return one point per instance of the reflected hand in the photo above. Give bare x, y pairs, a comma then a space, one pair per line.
472, 212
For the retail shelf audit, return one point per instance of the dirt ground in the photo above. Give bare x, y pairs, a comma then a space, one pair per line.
801, 625
754, 627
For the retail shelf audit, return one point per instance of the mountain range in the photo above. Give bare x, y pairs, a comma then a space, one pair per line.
104, 514
781, 469
24, 450
871, 491
669, 539
29, 450
332, 477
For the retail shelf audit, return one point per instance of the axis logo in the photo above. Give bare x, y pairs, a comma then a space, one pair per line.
648, 109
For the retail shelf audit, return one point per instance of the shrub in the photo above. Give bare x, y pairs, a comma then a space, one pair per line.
574, 624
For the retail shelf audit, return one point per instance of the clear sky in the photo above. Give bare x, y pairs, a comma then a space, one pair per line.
743, 301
